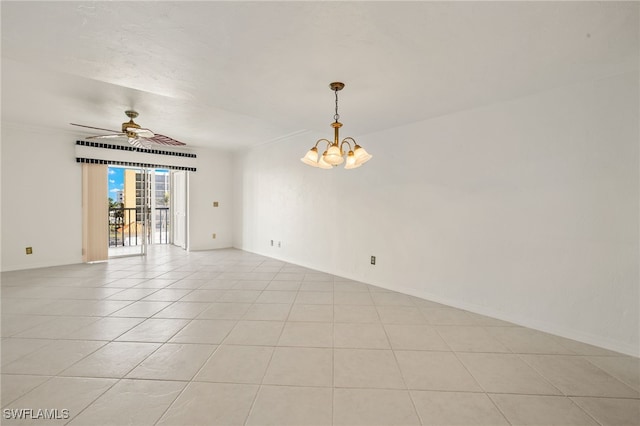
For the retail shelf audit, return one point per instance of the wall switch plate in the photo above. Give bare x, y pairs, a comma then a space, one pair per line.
213, 236
29, 250
271, 243
373, 260
215, 204
279, 244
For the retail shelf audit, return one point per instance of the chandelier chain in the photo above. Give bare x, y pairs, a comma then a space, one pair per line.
336, 116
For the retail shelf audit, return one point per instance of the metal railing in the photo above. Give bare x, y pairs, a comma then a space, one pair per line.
162, 225
126, 226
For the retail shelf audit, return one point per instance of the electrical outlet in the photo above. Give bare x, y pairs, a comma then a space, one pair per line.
279, 244
215, 204
271, 243
373, 260
29, 250
213, 236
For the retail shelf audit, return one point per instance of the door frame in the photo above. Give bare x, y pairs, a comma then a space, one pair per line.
179, 208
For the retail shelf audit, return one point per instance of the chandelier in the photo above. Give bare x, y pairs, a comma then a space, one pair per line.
334, 153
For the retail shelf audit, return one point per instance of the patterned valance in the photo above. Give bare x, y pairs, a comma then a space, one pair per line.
130, 156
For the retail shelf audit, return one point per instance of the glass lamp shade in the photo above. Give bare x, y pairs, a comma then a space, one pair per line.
323, 164
351, 161
361, 155
333, 155
311, 158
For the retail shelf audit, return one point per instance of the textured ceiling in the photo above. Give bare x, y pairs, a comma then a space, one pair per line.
237, 74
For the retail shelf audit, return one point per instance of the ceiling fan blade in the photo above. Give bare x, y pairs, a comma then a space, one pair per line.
119, 135
95, 128
140, 143
145, 138
165, 140
143, 133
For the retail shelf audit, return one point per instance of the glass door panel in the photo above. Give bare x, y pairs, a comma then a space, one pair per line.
128, 211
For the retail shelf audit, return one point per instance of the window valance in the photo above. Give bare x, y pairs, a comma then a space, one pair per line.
124, 155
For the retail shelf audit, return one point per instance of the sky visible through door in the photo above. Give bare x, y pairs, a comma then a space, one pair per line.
116, 181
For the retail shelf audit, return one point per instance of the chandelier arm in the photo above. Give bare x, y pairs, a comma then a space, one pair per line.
347, 142
323, 140
351, 139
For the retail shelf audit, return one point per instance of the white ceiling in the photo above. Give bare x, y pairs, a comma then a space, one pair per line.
238, 74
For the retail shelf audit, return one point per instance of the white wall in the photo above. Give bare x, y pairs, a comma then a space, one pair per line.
211, 182
525, 210
42, 198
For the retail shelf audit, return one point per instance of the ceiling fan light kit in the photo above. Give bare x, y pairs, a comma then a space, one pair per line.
132, 129
334, 154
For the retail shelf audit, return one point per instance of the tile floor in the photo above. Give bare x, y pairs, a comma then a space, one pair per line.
227, 337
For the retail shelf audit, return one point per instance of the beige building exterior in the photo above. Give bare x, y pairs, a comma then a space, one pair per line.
129, 189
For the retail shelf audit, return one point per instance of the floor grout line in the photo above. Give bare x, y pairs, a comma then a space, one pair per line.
231, 265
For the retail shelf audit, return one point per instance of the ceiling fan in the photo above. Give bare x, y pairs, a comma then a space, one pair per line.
135, 135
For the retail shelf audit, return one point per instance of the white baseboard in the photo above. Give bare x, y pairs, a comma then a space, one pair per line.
9, 268
528, 322
532, 323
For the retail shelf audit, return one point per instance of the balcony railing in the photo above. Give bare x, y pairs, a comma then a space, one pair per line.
126, 226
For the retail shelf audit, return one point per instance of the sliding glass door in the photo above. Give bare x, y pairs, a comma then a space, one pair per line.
128, 211
140, 203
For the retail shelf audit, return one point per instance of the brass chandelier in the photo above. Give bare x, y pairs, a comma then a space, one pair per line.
334, 153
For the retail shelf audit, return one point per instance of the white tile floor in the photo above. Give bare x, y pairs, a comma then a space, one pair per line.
228, 337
